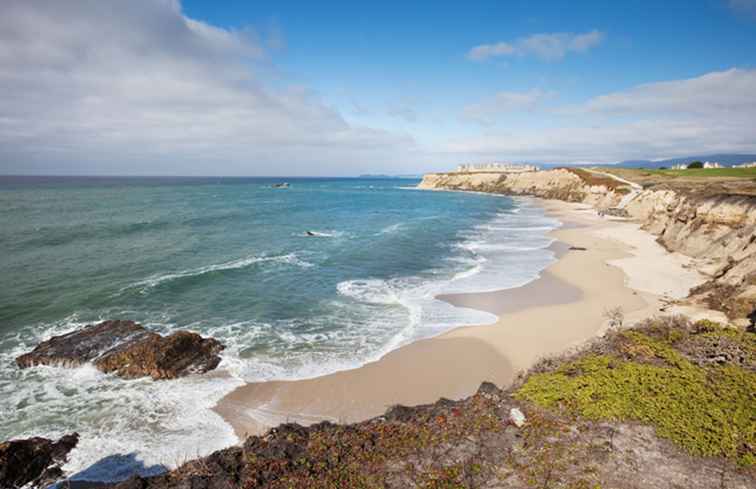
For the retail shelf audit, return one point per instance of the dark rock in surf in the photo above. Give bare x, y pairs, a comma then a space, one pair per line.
34, 461
163, 357
616, 212
84, 345
127, 349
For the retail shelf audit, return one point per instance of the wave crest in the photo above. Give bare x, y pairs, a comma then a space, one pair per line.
155, 280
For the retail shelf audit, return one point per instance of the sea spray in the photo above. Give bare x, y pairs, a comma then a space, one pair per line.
233, 261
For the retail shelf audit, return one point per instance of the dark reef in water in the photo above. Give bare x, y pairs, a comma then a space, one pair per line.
128, 350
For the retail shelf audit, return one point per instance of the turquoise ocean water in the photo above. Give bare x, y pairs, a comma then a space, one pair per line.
230, 257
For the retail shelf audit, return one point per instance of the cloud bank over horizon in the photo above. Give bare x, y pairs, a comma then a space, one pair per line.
139, 87
118, 86
712, 113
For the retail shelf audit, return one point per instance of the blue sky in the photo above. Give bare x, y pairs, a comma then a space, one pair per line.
345, 87
391, 49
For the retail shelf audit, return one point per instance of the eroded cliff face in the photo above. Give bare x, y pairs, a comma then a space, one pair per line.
719, 231
558, 184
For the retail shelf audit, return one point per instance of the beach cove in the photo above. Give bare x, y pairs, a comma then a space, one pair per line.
430, 299
597, 270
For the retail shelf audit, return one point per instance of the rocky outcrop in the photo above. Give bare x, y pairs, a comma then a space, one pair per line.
470, 443
562, 184
127, 349
718, 230
84, 345
35, 461
500, 439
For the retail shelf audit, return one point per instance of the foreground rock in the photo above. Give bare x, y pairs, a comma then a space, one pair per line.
128, 350
34, 461
526, 436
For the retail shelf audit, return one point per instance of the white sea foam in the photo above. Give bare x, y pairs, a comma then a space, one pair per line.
284, 353
471, 272
425, 315
509, 250
149, 424
372, 291
141, 426
155, 280
324, 234
536, 229
392, 228
474, 246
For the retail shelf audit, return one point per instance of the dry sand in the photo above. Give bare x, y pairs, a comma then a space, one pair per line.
622, 266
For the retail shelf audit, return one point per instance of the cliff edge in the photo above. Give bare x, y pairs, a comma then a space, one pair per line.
709, 223
664, 404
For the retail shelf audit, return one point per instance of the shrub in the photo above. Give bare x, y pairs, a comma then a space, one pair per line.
615, 316
695, 164
707, 410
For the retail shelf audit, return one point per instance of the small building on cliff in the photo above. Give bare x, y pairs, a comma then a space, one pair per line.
496, 167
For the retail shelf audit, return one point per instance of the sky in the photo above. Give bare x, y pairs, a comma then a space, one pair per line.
163, 87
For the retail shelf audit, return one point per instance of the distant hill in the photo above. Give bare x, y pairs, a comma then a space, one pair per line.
723, 159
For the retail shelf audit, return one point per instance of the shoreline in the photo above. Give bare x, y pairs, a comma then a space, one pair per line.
573, 292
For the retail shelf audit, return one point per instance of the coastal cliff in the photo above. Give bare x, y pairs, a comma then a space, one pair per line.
544, 431
561, 184
715, 227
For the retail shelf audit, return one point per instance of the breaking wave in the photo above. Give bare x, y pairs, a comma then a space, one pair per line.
155, 280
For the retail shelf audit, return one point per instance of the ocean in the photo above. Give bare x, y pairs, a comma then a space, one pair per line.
231, 258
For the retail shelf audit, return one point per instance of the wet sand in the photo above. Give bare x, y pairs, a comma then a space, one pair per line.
418, 373
547, 289
561, 310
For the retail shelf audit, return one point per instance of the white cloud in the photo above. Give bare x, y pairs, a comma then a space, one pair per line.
711, 113
403, 109
547, 46
487, 111
485, 51
407, 114
137, 87
719, 94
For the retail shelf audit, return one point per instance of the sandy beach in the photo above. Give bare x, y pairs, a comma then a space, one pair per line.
602, 263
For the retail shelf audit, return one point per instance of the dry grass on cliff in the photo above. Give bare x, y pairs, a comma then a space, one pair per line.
594, 179
715, 181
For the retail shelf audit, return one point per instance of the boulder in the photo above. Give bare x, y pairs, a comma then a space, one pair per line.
127, 349
516, 417
83, 345
162, 357
34, 461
